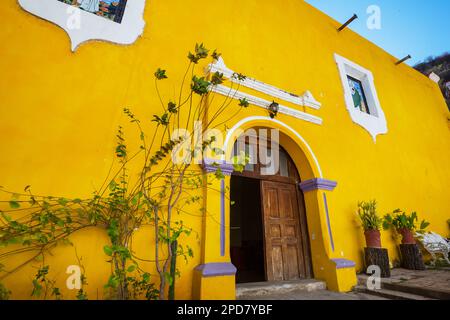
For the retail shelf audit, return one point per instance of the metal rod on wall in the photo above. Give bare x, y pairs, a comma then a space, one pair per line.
348, 22
403, 60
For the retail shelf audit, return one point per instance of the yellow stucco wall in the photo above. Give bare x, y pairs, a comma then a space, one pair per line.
59, 112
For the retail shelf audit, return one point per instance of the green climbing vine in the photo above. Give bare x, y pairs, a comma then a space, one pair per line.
36, 224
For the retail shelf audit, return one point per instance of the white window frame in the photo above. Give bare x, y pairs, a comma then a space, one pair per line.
91, 26
375, 122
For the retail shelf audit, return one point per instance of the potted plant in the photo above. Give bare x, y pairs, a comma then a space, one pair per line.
404, 224
448, 222
371, 222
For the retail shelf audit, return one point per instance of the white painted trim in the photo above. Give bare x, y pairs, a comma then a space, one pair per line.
375, 123
434, 77
231, 132
235, 94
306, 100
91, 27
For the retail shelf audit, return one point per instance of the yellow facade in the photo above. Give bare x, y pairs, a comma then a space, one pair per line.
60, 111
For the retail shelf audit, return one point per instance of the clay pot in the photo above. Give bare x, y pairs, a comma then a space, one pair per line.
407, 236
373, 239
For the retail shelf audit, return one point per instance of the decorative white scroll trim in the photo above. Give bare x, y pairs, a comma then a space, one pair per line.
82, 26
375, 122
235, 94
306, 99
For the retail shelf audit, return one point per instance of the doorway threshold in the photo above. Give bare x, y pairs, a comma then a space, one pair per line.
260, 289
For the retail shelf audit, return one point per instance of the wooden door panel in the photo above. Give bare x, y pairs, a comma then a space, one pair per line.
275, 231
283, 239
292, 262
290, 232
272, 203
277, 262
285, 203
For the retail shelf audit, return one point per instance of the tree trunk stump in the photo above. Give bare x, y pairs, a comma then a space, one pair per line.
411, 257
378, 257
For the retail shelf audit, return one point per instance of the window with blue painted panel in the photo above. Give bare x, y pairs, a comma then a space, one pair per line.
110, 9
358, 95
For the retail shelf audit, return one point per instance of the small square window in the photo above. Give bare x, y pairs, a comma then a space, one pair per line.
358, 94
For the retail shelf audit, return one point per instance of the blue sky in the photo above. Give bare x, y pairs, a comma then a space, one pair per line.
417, 27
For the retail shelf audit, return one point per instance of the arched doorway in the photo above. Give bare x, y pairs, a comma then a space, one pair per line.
216, 269
268, 229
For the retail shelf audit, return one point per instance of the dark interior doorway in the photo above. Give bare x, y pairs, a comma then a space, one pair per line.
269, 234
247, 235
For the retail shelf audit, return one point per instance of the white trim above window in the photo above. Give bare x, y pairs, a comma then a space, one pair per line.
374, 121
82, 25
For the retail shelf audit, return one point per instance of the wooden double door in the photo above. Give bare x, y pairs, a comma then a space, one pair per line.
281, 209
286, 244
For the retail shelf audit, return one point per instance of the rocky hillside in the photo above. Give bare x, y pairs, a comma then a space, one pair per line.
440, 66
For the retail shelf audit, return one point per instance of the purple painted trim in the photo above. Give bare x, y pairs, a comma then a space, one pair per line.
343, 263
318, 184
211, 166
328, 221
222, 217
216, 269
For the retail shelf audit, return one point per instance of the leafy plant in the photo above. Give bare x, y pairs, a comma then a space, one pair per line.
4, 292
43, 286
399, 219
367, 212
156, 198
448, 224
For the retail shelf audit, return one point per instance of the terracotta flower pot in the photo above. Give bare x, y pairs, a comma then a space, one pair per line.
373, 239
407, 236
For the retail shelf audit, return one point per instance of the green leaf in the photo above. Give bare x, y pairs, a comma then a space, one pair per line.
239, 76
108, 250
163, 120
243, 103
215, 55
172, 107
63, 201
121, 151
131, 268
112, 185
200, 85
200, 53
169, 278
146, 277
160, 74
37, 289
14, 204
6, 217
113, 282
81, 295
424, 224
136, 198
217, 78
